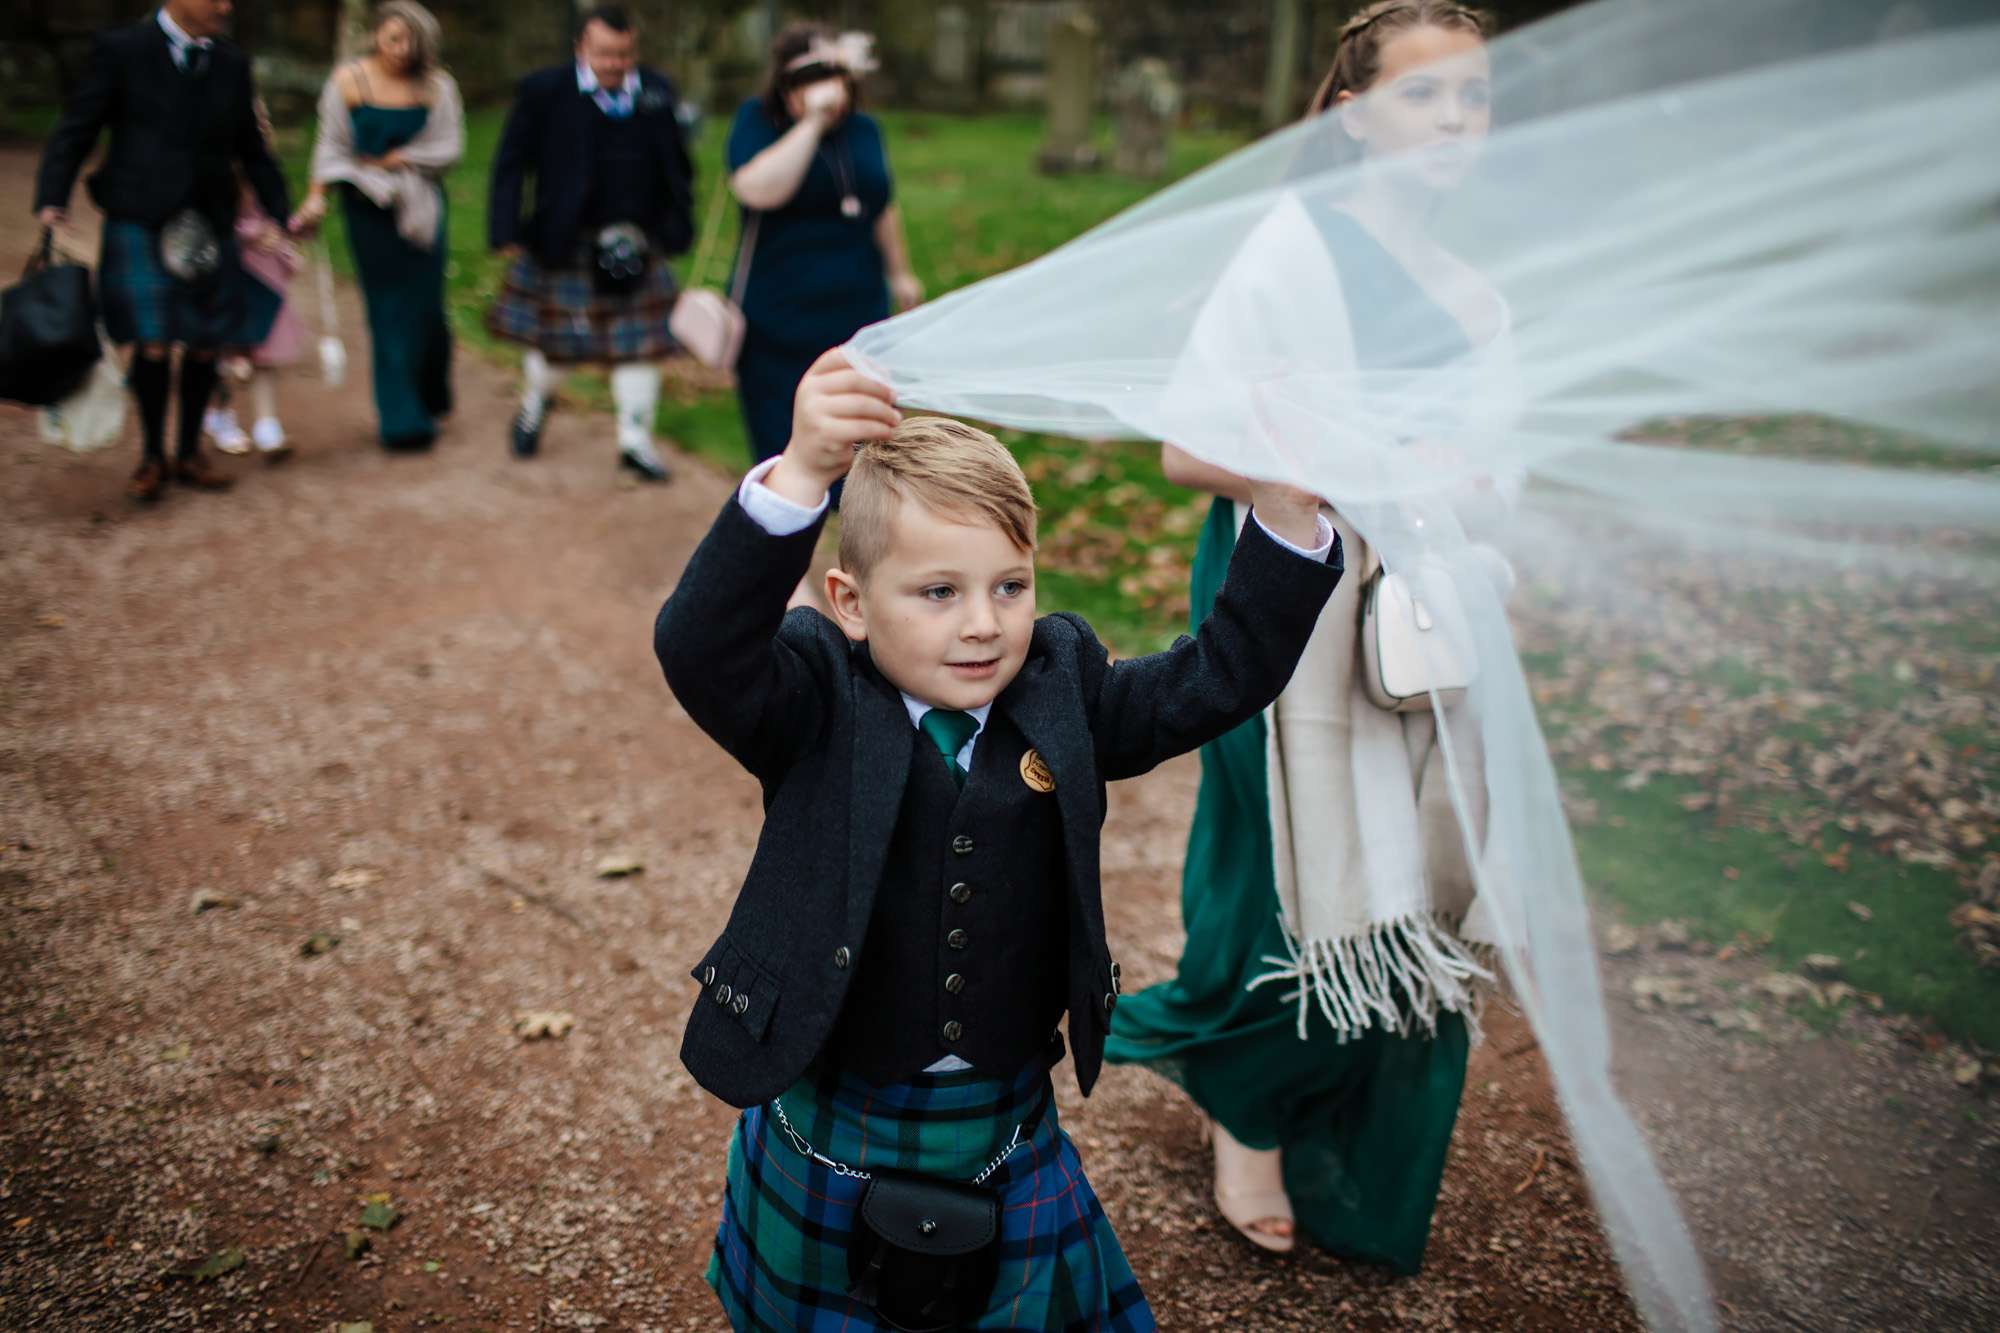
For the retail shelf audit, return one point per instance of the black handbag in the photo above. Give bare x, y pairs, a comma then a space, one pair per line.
48, 329
924, 1252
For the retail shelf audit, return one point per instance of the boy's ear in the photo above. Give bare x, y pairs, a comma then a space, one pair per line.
843, 596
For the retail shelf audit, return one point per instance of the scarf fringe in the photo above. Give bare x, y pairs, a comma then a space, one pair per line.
1398, 974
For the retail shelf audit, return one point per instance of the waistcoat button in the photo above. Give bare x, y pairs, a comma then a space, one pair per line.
722, 993
956, 939
708, 976
1117, 987
742, 1004
962, 845
840, 956
1110, 1003
954, 983
961, 893
952, 1030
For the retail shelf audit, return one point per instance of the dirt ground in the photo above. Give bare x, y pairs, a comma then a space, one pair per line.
410, 703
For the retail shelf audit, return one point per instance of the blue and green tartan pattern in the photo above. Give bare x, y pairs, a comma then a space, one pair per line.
780, 1260
142, 303
560, 311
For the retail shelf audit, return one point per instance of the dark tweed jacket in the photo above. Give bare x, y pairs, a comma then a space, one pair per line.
807, 714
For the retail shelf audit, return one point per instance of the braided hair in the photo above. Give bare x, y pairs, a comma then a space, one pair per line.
1357, 52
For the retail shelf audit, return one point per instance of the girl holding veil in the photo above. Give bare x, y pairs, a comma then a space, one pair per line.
1326, 1043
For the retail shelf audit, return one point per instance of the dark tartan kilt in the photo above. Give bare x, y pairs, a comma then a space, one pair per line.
780, 1260
142, 303
559, 311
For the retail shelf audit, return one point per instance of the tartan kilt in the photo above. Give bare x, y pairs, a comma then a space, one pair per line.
780, 1260
142, 303
559, 311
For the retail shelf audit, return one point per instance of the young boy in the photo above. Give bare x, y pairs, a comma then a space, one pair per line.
923, 906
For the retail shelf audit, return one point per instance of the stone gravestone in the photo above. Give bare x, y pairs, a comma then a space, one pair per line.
951, 45
1148, 101
1072, 94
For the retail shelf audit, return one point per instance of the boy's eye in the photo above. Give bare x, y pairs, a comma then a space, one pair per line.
937, 592
1013, 588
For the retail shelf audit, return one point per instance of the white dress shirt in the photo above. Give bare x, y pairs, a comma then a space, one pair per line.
612, 103
179, 41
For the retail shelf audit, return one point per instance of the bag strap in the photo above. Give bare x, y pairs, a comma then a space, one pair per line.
745, 252
42, 255
329, 315
711, 227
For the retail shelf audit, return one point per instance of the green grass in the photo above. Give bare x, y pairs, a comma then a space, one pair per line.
1654, 861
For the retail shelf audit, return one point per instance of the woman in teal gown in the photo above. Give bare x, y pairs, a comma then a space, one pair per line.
1361, 1120
390, 97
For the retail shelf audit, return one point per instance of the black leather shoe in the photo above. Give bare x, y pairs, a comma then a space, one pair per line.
649, 468
525, 440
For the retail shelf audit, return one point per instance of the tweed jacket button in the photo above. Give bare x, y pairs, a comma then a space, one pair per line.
961, 893
957, 939
962, 845
708, 976
840, 956
723, 993
954, 983
742, 1004
1117, 987
1110, 1003
953, 1031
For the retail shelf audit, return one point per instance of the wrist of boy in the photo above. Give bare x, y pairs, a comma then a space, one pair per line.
797, 481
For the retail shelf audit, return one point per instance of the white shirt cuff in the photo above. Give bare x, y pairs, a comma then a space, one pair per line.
1319, 552
773, 512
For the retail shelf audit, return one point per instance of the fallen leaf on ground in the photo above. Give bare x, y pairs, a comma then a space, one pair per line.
1673, 992
379, 1214
222, 1261
355, 1244
206, 900
319, 942
537, 1024
354, 877
619, 865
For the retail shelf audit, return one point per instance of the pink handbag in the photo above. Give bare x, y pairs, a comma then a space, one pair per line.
707, 323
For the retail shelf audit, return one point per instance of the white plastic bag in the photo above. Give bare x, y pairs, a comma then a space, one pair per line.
92, 417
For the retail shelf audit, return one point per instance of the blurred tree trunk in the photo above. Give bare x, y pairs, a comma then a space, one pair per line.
1281, 74
352, 38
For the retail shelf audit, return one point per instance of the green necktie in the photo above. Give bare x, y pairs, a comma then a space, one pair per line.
949, 730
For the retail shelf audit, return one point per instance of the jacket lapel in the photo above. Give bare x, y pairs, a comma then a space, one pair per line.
881, 768
1036, 703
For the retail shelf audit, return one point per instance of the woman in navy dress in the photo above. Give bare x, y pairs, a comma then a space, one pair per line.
813, 179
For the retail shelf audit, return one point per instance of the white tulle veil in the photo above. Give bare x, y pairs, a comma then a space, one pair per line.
1684, 208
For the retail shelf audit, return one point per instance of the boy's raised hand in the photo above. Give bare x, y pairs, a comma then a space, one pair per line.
1289, 512
836, 409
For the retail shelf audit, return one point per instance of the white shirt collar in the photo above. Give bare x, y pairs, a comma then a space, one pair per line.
178, 36
918, 708
586, 80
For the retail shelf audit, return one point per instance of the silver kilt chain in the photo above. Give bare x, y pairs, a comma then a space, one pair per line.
842, 1169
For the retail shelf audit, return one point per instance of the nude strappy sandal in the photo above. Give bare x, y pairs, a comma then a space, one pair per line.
1245, 1205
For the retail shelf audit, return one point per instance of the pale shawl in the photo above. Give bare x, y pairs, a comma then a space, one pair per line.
1374, 889
412, 190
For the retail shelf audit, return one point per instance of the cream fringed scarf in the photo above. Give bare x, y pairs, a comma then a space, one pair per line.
1374, 890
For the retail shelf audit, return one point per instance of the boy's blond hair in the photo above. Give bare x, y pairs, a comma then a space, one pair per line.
948, 467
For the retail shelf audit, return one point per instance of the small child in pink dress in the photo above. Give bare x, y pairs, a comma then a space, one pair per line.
273, 334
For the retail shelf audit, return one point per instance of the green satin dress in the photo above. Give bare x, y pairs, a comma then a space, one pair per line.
1364, 1125
403, 288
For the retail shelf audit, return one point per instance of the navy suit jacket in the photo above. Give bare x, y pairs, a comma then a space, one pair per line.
548, 136
175, 139
808, 715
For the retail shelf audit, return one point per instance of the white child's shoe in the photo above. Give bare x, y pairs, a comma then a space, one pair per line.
269, 437
220, 424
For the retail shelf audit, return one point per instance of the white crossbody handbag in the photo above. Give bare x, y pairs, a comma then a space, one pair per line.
1408, 653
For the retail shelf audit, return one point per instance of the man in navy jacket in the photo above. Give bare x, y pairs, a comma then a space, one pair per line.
601, 142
